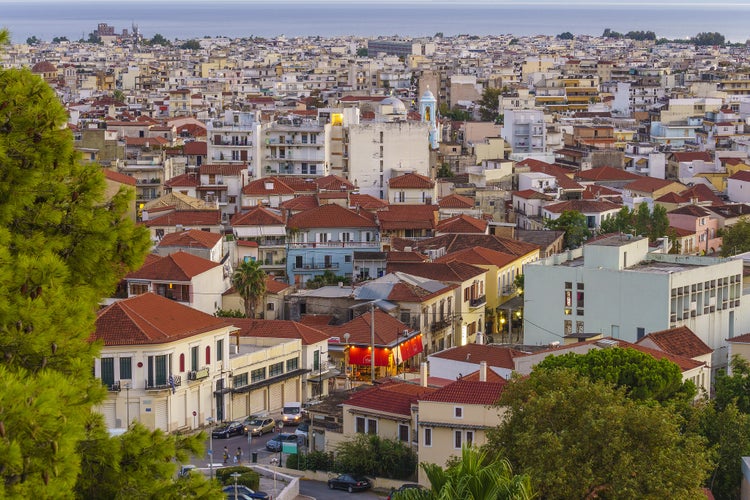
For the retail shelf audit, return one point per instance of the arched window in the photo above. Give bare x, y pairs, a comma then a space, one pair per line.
182, 362
208, 354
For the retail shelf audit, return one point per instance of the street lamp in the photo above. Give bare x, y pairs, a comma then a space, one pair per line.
210, 421
235, 475
346, 360
127, 403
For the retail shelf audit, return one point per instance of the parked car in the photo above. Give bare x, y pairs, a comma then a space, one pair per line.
244, 492
394, 495
303, 430
259, 426
350, 483
228, 430
275, 443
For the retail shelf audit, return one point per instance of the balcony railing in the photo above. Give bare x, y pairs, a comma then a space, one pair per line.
330, 265
476, 302
439, 325
337, 244
176, 379
114, 387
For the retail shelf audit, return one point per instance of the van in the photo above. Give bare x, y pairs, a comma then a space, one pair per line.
291, 413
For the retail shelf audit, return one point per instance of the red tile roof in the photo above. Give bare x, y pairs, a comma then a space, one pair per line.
684, 363
456, 201
467, 392
393, 397
531, 194
452, 271
266, 186
594, 192
300, 203
680, 156
406, 257
278, 328
479, 256
386, 328
316, 320
703, 193
187, 218
498, 356
334, 183
649, 184
258, 216
605, 174
183, 180
691, 210
454, 242
680, 341
462, 224
118, 177
226, 169
411, 181
583, 206
193, 238
150, 319
394, 217
330, 215
741, 339
742, 175
179, 266
403, 292
366, 201
672, 197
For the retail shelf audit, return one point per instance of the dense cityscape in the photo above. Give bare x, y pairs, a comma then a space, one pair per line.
430, 267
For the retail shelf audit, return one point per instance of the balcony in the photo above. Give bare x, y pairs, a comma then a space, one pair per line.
478, 301
114, 387
159, 386
439, 325
314, 266
337, 244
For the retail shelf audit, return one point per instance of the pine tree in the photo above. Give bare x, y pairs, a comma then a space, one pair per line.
63, 247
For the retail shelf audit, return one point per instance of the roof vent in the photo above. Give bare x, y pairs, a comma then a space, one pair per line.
607, 343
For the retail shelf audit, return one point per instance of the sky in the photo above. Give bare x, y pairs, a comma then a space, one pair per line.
561, 3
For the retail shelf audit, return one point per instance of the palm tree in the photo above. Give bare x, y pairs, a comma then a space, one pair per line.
475, 476
250, 282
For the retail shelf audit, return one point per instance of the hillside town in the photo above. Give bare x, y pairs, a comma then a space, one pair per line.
405, 202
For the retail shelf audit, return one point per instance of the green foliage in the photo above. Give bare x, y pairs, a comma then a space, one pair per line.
250, 282
642, 376
327, 278
118, 95
63, 247
229, 313
319, 460
575, 226
518, 282
706, 38
734, 388
248, 476
445, 171
191, 45
640, 35
139, 464
608, 33
455, 114
370, 455
59, 39
641, 221
94, 38
578, 438
489, 104
362, 52
728, 433
566, 35
736, 238
158, 39
439, 34
476, 476
33, 40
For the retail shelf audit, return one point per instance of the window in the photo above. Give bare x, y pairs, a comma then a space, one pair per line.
458, 411
276, 369
428, 436
157, 370
219, 350
640, 332
108, 371
469, 438
208, 354
403, 433
257, 375
360, 425
372, 426
366, 425
182, 362
240, 380
316, 360
194, 358
138, 288
457, 439
292, 364
126, 368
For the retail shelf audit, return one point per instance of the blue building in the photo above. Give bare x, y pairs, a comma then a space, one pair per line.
325, 239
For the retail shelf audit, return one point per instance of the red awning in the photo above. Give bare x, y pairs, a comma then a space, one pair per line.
361, 356
410, 348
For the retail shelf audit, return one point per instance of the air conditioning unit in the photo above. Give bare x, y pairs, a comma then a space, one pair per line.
192, 375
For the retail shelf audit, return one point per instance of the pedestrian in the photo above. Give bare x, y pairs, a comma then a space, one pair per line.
238, 455
226, 455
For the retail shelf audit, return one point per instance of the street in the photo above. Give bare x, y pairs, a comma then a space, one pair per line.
315, 489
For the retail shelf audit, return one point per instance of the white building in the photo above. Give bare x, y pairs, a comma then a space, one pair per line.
295, 146
615, 287
525, 130
235, 138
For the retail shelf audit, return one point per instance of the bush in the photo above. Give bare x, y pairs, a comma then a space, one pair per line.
372, 456
297, 462
248, 476
319, 460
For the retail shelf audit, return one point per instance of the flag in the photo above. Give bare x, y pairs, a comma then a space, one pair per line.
171, 383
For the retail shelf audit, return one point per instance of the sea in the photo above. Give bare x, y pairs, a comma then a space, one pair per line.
188, 19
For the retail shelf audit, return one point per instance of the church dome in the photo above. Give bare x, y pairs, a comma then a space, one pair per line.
427, 96
397, 105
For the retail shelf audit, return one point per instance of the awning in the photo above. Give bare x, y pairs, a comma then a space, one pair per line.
361, 356
410, 348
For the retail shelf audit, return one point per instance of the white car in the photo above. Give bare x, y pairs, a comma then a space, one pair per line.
303, 430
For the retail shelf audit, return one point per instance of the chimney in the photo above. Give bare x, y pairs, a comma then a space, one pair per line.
423, 374
483, 371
